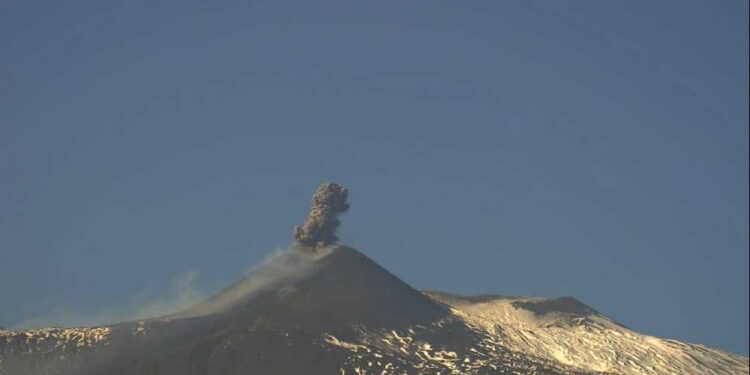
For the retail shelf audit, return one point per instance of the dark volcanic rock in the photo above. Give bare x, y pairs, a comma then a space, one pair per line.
273, 321
304, 311
324, 291
566, 305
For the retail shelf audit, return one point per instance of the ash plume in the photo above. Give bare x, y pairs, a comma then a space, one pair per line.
320, 228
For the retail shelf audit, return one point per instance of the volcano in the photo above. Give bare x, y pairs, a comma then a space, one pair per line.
323, 308
305, 311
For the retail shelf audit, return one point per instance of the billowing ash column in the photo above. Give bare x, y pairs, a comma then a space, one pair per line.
320, 228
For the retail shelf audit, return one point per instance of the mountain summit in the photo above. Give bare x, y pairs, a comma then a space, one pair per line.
321, 289
322, 308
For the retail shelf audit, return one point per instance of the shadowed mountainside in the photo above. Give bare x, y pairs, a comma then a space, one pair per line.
335, 311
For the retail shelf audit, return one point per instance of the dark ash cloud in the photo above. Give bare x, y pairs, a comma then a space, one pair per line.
319, 230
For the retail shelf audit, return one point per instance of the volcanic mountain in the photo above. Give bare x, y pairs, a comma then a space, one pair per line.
322, 308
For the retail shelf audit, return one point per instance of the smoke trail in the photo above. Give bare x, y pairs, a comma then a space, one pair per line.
183, 293
292, 263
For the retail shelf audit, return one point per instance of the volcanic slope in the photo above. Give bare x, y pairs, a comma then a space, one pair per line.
332, 310
566, 331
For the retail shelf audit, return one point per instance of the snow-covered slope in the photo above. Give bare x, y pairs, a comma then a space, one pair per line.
335, 311
566, 331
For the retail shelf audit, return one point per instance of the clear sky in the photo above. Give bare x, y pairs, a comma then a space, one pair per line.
597, 149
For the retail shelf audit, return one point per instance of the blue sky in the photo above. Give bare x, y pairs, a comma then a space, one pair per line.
592, 149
